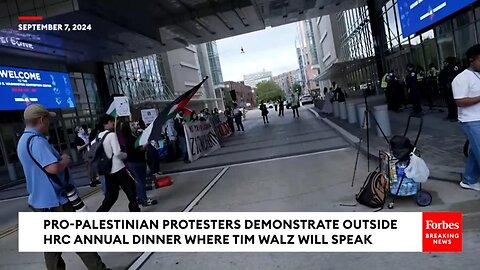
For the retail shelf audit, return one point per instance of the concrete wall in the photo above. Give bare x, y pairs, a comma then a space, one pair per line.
184, 70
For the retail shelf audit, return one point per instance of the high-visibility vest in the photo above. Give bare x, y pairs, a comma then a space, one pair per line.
384, 81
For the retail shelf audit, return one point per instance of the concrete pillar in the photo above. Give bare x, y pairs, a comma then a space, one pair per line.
343, 110
336, 109
361, 117
352, 113
381, 114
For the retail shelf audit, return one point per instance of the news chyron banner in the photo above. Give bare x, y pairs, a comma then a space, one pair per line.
240, 232
201, 139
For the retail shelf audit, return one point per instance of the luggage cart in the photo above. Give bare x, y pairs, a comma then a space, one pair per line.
392, 166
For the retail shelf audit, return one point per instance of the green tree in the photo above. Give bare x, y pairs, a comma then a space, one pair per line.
268, 91
296, 88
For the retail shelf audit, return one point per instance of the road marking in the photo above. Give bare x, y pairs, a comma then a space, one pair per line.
14, 228
145, 255
259, 161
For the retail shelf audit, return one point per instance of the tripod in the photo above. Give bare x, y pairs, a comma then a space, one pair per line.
365, 124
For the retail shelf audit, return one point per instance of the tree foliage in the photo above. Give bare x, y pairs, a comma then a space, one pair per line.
268, 91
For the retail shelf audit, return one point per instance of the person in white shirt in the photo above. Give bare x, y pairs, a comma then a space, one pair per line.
119, 176
466, 91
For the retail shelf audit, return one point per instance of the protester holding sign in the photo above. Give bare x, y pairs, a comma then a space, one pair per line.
137, 165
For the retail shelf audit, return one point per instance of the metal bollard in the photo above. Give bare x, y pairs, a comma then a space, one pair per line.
343, 110
12, 172
336, 109
381, 114
352, 113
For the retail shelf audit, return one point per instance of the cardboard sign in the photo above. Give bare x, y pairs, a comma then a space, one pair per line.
149, 115
122, 106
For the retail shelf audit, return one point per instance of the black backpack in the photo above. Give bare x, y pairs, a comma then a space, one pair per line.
100, 163
374, 191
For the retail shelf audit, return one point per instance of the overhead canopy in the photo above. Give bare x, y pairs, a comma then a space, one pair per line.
124, 29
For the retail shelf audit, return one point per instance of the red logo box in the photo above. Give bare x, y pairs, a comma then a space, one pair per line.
442, 232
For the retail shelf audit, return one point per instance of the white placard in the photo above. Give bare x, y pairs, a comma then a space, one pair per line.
201, 139
122, 106
149, 115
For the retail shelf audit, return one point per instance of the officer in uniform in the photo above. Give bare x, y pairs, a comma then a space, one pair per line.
411, 81
445, 79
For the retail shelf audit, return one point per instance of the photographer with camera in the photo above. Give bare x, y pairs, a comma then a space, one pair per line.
47, 179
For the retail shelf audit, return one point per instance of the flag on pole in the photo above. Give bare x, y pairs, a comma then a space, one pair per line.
112, 110
154, 130
187, 114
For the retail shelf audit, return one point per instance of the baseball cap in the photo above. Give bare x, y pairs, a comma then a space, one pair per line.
35, 111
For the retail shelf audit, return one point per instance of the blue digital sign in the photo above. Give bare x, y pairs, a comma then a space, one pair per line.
416, 15
21, 87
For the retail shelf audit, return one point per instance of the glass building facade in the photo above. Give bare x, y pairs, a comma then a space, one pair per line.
214, 60
450, 38
142, 79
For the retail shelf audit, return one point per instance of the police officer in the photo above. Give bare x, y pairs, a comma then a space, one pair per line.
411, 81
432, 84
449, 72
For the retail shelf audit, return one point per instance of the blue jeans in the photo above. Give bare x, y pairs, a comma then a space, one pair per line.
472, 168
104, 187
139, 172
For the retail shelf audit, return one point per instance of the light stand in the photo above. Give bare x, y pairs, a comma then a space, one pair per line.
366, 115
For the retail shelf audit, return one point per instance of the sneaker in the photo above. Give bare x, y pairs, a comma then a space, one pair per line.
149, 202
93, 184
475, 186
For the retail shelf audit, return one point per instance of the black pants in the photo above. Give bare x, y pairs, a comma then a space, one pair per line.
295, 110
114, 182
451, 105
54, 260
230, 124
281, 112
416, 99
265, 119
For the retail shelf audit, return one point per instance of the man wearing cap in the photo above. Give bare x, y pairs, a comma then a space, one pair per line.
44, 194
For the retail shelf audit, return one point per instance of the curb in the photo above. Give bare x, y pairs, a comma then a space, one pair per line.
440, 173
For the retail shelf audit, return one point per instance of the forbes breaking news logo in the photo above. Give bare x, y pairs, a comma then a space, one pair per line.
442, 232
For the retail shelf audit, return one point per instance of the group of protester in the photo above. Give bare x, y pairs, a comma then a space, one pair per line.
335, 93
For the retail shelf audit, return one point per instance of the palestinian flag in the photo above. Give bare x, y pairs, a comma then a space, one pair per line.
154, 130
112, 110
187, 114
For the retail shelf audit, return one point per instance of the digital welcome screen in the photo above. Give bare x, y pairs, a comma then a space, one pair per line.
22, 87
416, 15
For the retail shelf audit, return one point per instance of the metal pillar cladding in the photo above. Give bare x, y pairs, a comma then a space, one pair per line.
343, 110
336, 109
361, 116
378, 33
381, 114
352, 113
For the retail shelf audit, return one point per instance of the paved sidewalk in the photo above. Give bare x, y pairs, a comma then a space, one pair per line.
441, 142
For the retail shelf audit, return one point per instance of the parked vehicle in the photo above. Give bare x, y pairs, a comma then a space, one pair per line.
307, 99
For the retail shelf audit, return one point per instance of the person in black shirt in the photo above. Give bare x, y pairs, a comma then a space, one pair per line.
411, 81
229, 116
137, 164
181, 138
82, 143
445, 79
